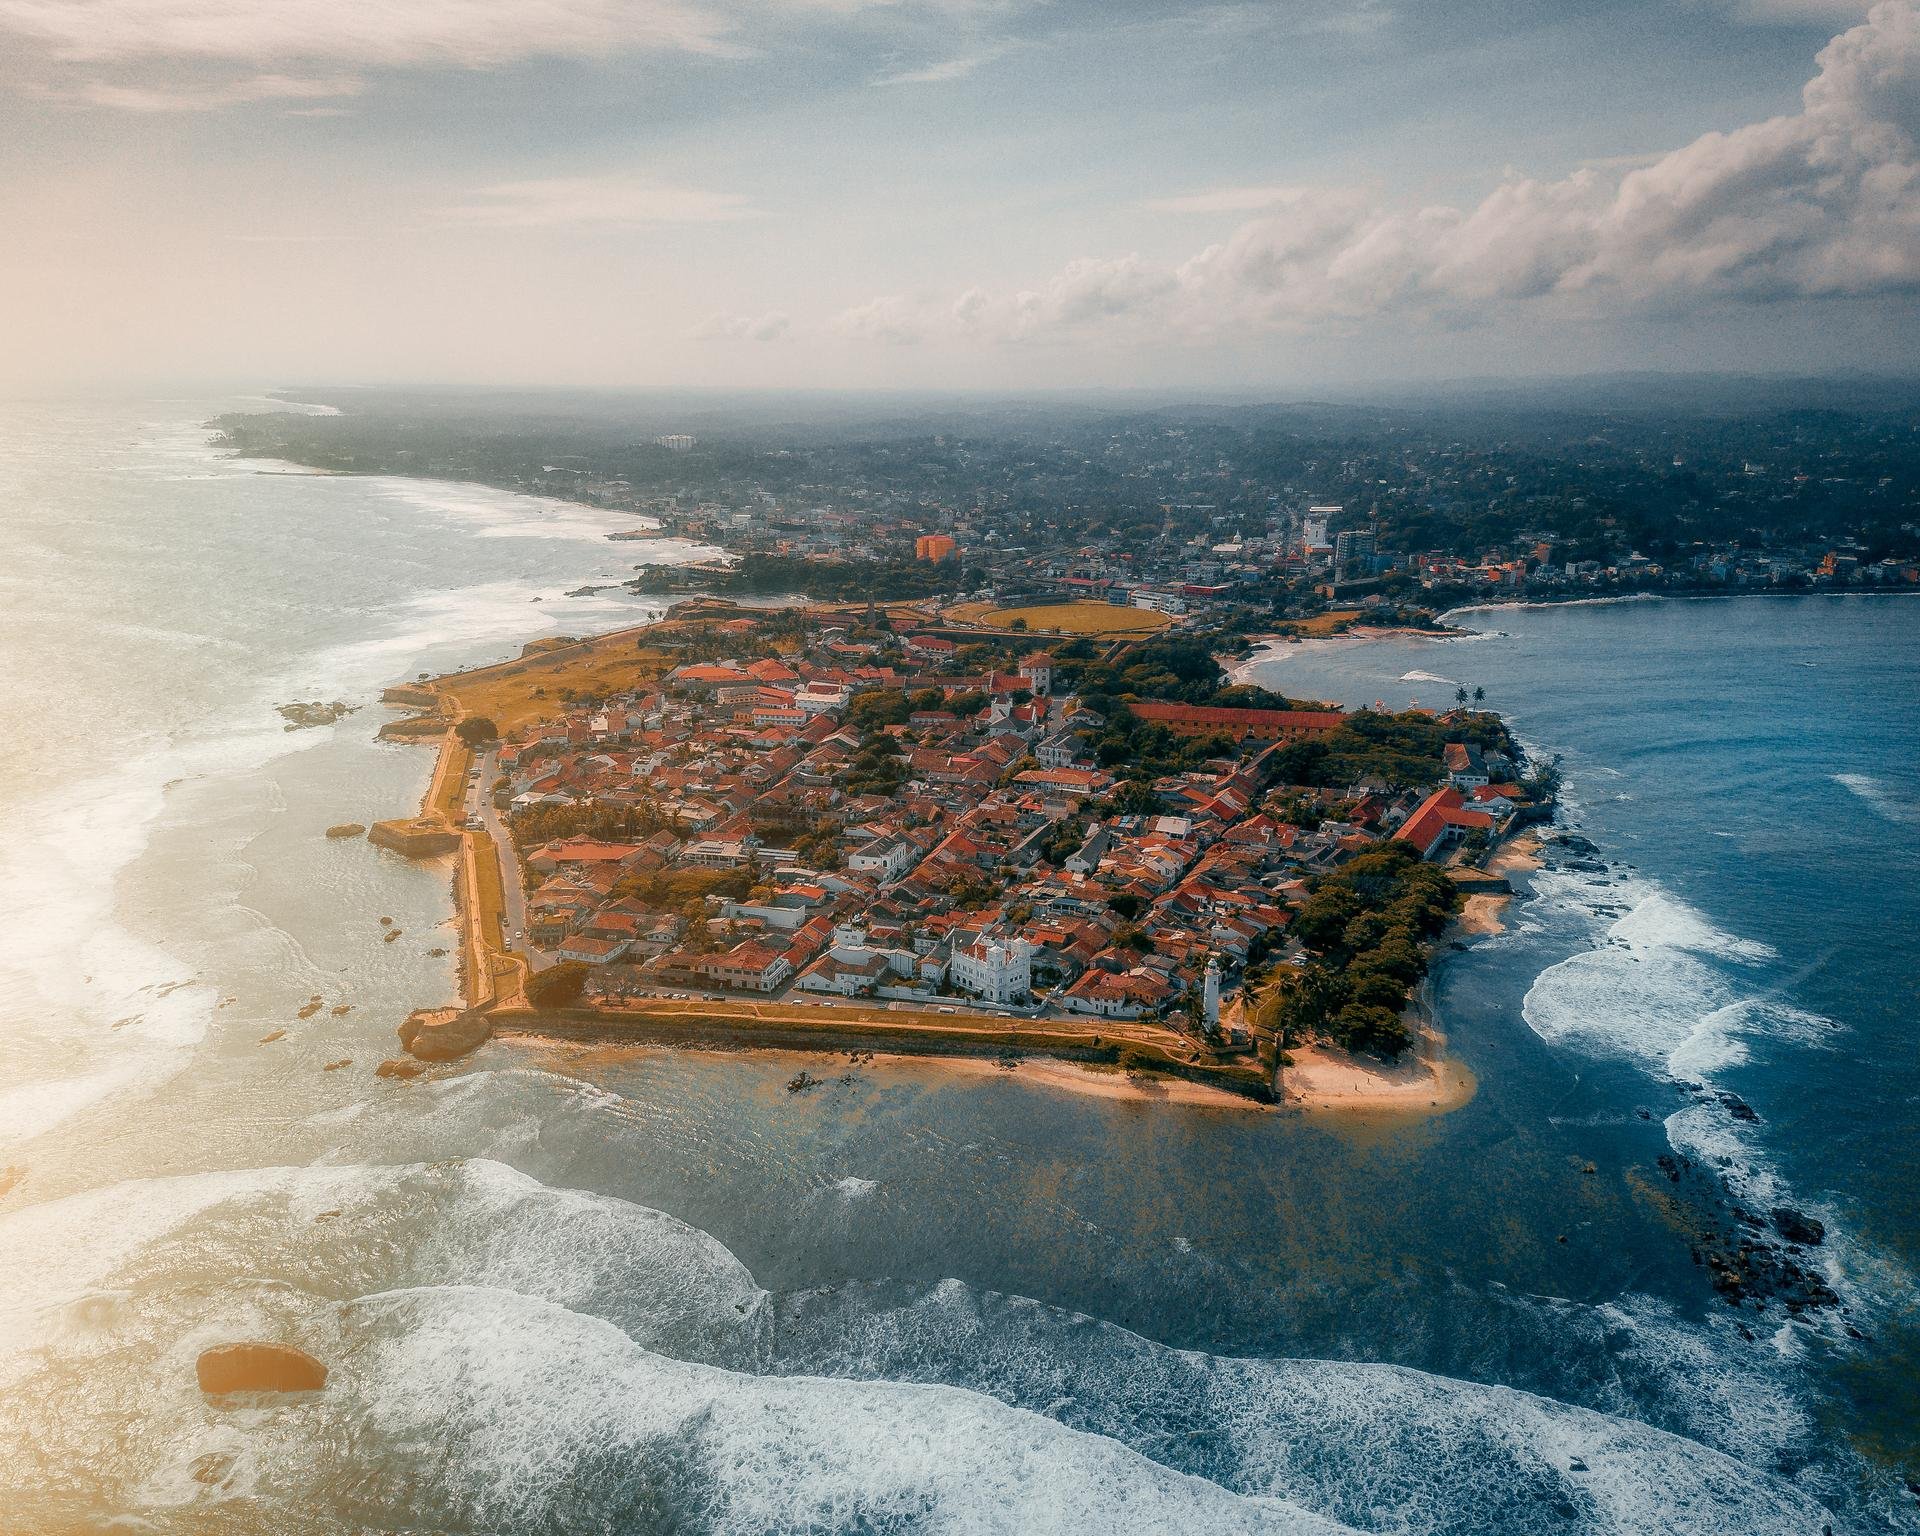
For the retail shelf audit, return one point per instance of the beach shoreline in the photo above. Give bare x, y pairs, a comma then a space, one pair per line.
1087, 1080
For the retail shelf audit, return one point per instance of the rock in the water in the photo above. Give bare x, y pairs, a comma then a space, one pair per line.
304, 716
443, 1034
259, 1368
399, 1067
1739, 1108
1796, 1228
347, 829
211, 1468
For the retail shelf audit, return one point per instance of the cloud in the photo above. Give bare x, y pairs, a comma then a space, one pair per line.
577, 200
957, 68
772, 326
465, 33
1819, 203
212, 98
893, 320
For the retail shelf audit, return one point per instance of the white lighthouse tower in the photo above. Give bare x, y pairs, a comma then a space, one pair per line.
1210, 994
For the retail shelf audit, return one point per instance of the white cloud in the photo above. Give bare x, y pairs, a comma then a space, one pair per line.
468, 33
957, 68
771, 326
211, 98
571, 200
893, 319
1822, 202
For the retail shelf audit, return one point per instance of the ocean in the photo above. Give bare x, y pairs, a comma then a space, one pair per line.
573, 1289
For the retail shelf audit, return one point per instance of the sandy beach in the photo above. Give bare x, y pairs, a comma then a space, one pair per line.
1269, 648
1324, 1078
1481, 916
1049, 1072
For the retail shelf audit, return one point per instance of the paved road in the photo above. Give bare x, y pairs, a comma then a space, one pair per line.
480, 803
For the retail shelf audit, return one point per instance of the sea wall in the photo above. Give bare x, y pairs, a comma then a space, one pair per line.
659, 1026
415, 839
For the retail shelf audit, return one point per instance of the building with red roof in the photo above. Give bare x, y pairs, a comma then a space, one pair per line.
1442, 821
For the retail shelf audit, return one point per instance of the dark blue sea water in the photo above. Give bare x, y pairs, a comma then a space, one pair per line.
573, 1290
1755, 763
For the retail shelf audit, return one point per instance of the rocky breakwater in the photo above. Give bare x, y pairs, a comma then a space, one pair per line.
424, 837
307, 715
251, 1367
444, 1034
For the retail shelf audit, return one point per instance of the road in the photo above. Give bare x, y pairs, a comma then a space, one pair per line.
479, 803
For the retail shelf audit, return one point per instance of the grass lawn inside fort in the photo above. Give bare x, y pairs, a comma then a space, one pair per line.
1064, 618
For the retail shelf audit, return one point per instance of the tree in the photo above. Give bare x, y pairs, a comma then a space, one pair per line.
1460, 694
1479, 695
558, 985
477, 731
1377, 1031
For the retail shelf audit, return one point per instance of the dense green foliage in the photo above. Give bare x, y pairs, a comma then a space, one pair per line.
1369, 925
1404, 751
836, 580
558, 985
539, 824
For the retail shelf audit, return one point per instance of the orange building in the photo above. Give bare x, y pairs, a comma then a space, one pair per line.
933, 546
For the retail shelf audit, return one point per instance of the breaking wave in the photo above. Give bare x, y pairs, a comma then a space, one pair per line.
1885, 802
510, 1356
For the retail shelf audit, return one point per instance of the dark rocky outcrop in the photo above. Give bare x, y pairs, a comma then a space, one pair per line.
444, 1034
259, 1368
1797, 1228
1738, 1107
304, 716
346, 829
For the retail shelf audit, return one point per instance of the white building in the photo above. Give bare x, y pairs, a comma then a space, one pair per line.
996, 970
821, 698
885, 858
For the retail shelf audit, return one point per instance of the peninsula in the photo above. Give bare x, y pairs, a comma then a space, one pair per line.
939, 830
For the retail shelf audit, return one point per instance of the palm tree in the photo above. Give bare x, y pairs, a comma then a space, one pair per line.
1460, 694
1479, 695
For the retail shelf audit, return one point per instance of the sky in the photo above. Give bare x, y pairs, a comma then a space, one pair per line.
970, 194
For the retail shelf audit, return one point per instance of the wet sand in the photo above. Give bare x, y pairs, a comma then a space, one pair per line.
1045, 1071
1324, 1078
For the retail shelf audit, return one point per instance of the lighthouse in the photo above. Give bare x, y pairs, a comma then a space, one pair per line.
1210, 995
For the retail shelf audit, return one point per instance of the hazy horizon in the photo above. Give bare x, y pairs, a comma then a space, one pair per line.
955, 195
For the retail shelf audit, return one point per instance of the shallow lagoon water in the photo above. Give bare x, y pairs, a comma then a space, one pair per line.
571, 1289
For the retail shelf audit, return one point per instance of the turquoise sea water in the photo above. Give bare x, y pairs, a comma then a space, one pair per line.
572, 1290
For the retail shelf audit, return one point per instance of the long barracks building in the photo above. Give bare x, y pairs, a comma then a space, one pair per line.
1245, 725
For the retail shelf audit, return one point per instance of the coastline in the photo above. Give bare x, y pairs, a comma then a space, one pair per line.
493, 976
1274, 648
1429, 1081
1111, 1083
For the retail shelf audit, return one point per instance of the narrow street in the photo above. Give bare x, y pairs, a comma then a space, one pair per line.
479, 804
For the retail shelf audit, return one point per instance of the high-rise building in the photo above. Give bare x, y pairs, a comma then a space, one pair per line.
933, 546
1353, 550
